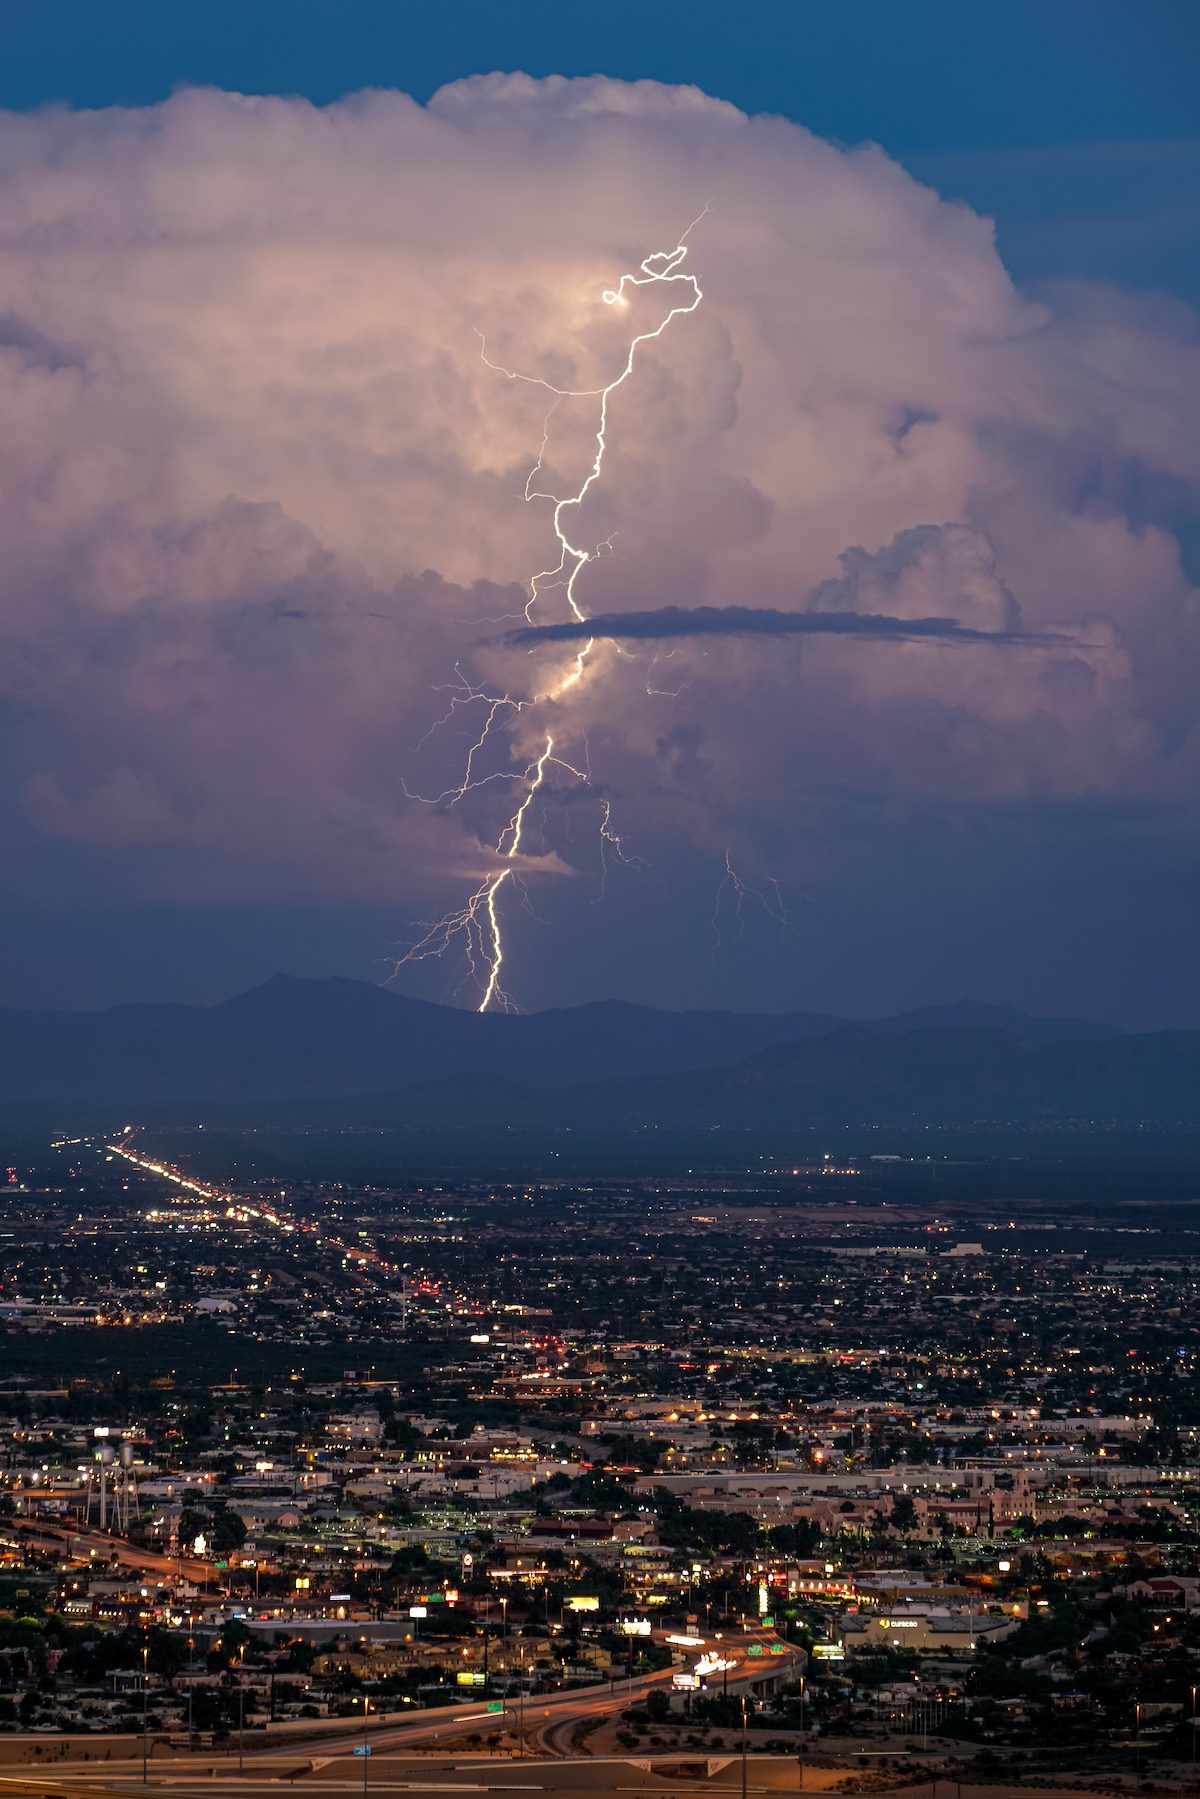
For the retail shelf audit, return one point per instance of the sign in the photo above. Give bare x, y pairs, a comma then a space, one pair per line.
583, 1602
418, 1611
755, 1649
636, 1627
829, 1652
495, 1705
363, 1749
768, 1622
470, 1677
778, 1649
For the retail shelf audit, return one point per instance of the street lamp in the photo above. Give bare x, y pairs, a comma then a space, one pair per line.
743, 1746
145, 1714
366, 1748
803, 1684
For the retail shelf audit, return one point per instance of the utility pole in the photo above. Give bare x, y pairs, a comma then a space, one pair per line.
241, 1726
366, 1746
743, 1746
145, 1714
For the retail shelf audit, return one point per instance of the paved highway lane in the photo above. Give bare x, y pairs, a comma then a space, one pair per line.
325, 1762
590, 1778
565, 1709
40, 1533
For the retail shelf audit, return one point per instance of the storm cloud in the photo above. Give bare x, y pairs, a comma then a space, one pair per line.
260, 497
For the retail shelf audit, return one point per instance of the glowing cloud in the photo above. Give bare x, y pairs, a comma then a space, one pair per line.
260, 496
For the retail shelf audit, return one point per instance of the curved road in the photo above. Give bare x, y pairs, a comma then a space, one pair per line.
549, 1719
556, 1711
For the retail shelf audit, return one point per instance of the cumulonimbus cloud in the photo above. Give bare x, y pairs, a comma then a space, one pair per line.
240, 384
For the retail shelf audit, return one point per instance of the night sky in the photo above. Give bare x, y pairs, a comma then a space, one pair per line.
923, 463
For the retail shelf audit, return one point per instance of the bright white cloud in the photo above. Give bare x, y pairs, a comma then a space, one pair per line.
258, 492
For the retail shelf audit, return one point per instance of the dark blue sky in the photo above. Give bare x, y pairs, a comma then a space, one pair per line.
1103, 91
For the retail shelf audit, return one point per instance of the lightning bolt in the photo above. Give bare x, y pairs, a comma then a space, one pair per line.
732, 883
477, 926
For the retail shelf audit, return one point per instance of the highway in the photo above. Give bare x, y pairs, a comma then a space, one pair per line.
562, 1711
325, 1762
83, 1544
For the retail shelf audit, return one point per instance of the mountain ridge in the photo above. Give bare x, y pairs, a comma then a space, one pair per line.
291, 1038
853, 1077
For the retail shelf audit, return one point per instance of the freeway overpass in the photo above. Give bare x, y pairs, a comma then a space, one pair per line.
102, 1546
323, 1759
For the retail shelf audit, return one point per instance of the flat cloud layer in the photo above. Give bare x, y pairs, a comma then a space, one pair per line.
766, 621
259, 495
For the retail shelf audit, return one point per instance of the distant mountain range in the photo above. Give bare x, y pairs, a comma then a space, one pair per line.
341, 1054
851, 1076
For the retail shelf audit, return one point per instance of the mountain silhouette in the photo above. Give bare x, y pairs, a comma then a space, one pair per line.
293, 1039
855, 1076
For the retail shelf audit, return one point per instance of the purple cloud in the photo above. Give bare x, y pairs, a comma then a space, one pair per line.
246, 422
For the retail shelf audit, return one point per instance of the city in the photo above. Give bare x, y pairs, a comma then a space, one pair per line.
915, 1478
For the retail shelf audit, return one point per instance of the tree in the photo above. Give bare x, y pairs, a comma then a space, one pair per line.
192, 1523
903, 1513
638, 1452
228, 1531
409, 1561
800, 1538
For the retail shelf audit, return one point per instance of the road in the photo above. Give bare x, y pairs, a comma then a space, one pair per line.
82, 1544
658, 1777
561, 1710
325, 1762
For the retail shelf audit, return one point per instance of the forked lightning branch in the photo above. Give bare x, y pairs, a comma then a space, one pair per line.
477, 928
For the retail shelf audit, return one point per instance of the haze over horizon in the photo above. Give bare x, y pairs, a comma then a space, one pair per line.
929, 487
